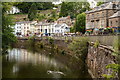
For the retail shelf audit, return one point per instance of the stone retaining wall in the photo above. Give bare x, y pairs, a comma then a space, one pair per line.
98, 58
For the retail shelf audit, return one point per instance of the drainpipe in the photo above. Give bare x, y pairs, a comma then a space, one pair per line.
107, 22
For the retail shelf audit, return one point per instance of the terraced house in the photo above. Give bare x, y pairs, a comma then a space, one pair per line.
104, 16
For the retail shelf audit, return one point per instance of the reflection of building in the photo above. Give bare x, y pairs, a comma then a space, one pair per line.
99, 16
13, 10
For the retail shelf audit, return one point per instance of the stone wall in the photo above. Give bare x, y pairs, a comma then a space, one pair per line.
114, 22
97, 60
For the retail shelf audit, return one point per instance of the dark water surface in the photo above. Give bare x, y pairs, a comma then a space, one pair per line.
21, 63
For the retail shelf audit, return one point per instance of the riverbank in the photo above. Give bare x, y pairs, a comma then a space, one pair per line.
61, 52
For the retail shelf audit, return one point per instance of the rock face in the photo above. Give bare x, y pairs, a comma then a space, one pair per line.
98, 58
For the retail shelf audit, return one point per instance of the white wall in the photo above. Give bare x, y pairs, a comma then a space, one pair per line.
13, 10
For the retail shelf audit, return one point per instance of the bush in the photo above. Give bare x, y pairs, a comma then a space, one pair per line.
31, 41
96, 44
80, 47
51, 40
40, 45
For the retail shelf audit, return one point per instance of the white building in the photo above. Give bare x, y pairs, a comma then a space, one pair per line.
45, 28
52, 28
13, 10
61, 29
30, 28
24, 28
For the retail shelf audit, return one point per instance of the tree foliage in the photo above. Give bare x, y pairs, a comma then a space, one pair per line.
32, 12
99, 3
7, 32
79, 25
79, 47
25, 6
73, 8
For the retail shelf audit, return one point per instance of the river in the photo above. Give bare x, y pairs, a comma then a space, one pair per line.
23, 63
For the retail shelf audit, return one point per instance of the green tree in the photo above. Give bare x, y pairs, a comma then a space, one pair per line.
40, 17
32, 12
25, 6
73, 8
54, 14
80, 23
72, 29
8, 37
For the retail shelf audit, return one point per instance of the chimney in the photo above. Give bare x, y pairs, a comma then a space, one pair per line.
68, 17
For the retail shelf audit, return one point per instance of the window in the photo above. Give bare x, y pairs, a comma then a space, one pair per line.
114, 5
97, 14
103, 14
116, 22
93, 15
88, 16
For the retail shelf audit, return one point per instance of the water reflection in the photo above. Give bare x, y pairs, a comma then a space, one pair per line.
20, 63
23, 56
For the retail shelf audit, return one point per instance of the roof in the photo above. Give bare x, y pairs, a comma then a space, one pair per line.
23, 22
44, 23
62, 18
117, 14
108, 5
57, 25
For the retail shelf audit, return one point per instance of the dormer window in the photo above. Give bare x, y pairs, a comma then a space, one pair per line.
114, 6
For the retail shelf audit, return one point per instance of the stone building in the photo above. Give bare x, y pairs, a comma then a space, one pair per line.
114, 21
99, 17
66, 20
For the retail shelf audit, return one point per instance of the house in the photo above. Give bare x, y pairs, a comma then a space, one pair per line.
13, 10
114, 21
48, 29
24, 28
45, 28
67, 20
30, 28
99, 17
61, 29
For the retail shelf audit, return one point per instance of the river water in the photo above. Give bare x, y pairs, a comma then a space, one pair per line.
22, 63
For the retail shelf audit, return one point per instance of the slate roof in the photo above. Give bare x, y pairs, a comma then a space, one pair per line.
109, 5
62, 18
44, 23
23, 22
117, 14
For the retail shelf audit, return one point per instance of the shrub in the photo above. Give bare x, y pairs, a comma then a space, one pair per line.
51, 40
80, 47
40, 45
31, 41
96, 44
